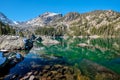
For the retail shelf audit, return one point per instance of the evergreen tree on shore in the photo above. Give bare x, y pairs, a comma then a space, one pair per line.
5, 29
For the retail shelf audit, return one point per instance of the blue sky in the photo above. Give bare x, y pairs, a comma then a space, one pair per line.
22, 10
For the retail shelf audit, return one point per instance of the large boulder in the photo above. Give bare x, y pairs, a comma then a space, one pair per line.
28, 44
14, 43
11, 42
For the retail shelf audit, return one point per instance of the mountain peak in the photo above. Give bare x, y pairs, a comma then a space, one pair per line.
44, 19
5, 20
49, 14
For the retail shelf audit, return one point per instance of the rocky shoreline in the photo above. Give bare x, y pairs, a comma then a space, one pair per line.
10, 46
14, 43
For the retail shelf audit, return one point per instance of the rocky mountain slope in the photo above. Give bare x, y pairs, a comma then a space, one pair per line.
92, 23
43, 19
99, 22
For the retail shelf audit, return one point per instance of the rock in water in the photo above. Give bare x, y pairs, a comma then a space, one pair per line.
28, 44
50, 42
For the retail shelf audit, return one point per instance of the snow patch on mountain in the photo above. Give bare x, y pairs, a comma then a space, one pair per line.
44, 19
49, 14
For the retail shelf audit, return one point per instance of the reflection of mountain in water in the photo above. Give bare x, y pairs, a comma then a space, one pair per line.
99, 59
101, 51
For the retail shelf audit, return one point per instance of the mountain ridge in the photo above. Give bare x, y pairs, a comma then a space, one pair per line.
6, 20
42, 15
98, 22
44, 19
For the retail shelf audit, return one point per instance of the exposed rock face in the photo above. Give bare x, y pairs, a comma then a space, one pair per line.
44, 19
14, 43
11, 43
71, 16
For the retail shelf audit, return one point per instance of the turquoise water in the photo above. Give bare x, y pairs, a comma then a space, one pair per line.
98, 53
105, 52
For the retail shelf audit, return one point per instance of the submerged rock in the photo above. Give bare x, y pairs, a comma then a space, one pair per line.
51, 72
96, 71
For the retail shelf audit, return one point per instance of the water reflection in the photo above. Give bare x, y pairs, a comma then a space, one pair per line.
101, 51
9, 60
98, 56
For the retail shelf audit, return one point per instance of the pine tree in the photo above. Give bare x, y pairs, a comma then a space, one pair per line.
7, 29
21, 34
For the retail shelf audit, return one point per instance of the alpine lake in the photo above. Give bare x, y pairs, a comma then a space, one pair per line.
90, 56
